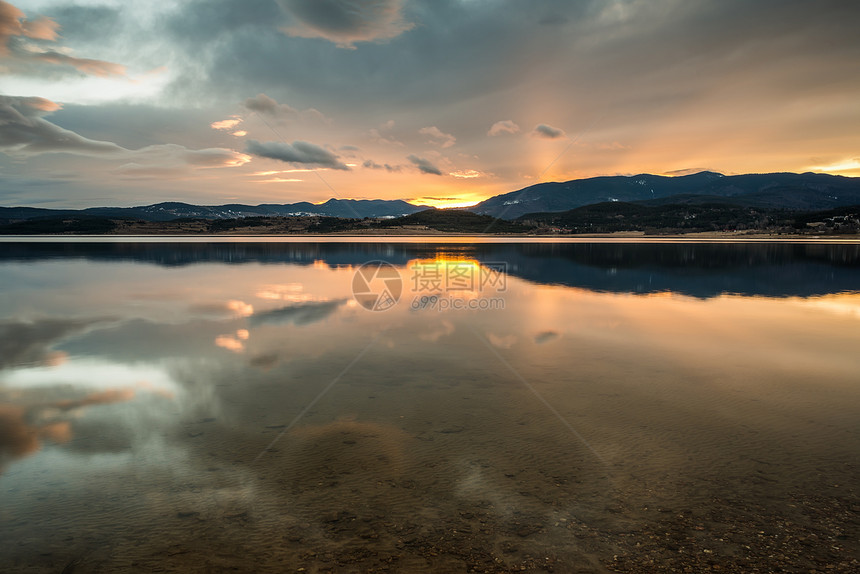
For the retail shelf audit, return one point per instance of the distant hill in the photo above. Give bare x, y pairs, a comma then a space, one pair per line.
807, 191
348, 208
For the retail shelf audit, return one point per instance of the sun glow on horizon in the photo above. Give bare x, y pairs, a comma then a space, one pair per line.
848, 168
444, 202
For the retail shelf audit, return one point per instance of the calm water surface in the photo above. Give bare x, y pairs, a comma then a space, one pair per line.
520, 407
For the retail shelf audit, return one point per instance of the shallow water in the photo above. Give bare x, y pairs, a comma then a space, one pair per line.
521, 407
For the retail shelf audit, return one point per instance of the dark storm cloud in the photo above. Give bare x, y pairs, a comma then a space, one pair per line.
299, 153
455, 49
601, 52
424, 165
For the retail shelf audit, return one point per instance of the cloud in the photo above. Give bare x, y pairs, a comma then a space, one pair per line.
377, 137
269, 107
346, 22
466, 174
13, 24
503, 127
424, 165
21, 42
370, 164
24, 132
86, 24
172, 160
85, 65
315, 114
466, 65
225, 124
438, 136
299, 152
206, 158
263, 104
547, 132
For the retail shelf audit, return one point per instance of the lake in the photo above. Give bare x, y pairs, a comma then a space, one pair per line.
415, 405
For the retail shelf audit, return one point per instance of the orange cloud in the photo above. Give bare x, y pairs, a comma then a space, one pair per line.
13, 24
466, 174
225, 124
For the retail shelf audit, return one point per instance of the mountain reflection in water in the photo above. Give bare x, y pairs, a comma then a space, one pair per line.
699, 270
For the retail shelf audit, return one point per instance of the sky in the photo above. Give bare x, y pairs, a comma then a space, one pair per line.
439, 102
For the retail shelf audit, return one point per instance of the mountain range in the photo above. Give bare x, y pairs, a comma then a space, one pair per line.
349, 208
807, 191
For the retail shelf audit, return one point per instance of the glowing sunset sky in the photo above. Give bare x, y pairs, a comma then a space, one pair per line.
110, 102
